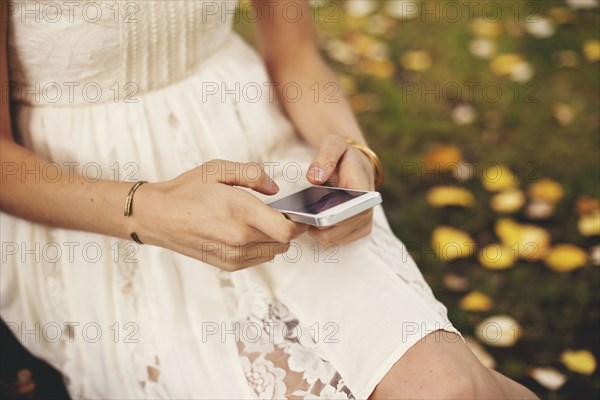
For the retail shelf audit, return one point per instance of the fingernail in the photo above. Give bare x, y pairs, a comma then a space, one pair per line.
273, 185
316, 174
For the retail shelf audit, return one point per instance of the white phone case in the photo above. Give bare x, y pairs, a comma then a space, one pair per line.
337, 213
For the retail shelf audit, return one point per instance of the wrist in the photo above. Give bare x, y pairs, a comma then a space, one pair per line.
139, 215
375, 164
367, 162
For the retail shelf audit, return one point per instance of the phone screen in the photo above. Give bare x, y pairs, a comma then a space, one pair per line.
315, 199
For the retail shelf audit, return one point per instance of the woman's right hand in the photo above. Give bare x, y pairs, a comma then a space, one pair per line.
200, 214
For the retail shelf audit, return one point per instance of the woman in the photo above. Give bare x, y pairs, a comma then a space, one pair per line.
105, 94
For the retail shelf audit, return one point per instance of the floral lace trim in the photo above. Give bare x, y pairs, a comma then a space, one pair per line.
278, 355
143, 354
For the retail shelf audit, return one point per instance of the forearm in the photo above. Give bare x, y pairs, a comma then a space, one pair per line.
67, 202
322, 108
70, 202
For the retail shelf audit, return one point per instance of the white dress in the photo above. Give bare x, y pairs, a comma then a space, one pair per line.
125, 90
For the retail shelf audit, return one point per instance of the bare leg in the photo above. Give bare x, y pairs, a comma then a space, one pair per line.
442, 367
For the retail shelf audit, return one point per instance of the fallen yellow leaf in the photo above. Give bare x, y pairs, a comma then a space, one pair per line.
540, 27
364, 44
476, 302
497, 177
451, 244
463, 114
529, 242
522, 72
537, 209
589, 224
482, 48
580, 361
442, 157
498, 331
591, 50
341, 52
505, 64
508, 201
565, 258
418, 60
546, 190
443, 196
379, 69
497, 256
548, 377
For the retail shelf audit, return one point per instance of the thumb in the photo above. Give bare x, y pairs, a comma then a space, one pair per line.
248, 175
323, 166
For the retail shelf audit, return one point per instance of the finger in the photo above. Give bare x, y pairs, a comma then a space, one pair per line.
234, 258
271, 222
257, 253
239, 234
361, 232
361, 218
254, 235
337, 233
248, 175
331, 150
339, 238
204, 252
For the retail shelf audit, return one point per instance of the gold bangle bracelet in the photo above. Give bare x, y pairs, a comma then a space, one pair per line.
129, 207
373, 157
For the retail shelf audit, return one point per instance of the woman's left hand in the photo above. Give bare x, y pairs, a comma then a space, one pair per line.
343, 166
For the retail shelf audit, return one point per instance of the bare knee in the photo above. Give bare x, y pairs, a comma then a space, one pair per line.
436, 381
456, 384
437, 368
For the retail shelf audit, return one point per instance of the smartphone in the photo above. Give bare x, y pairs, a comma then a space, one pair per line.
325, 206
